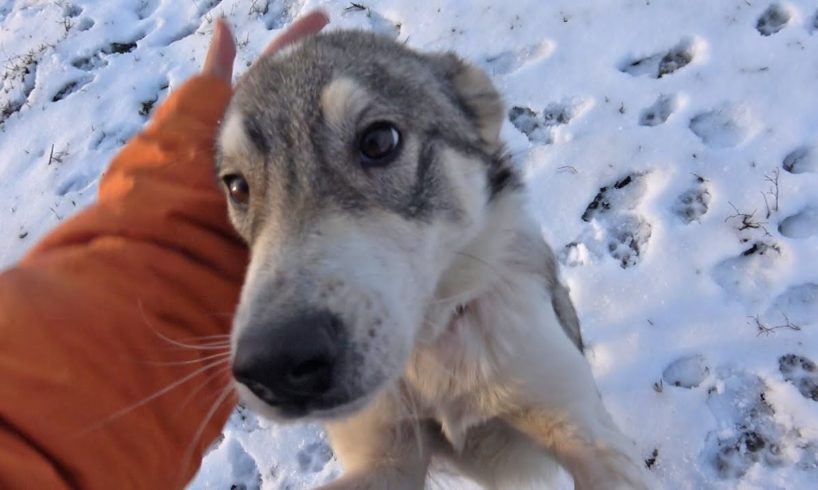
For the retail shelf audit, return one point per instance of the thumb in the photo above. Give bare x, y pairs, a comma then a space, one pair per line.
221, 53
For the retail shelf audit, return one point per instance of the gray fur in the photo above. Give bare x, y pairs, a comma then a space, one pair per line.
460, 340
279, 100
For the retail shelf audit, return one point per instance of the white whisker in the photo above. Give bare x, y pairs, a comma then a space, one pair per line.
177, 343
152, 397
187, 362
199, 388
213, 409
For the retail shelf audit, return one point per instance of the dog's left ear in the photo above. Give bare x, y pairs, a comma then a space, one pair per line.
474, 93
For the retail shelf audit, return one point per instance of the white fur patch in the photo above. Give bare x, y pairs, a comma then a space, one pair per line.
343, 100
233, 138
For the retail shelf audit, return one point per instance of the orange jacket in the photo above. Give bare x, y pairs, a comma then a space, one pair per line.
89, 319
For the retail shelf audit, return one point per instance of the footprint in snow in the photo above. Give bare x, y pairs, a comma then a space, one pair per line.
747, 433
90, 63
70, 10
549, 126
76, 183
205, 6
383, 25
802, 372
617, 229
98, 59
693, 203
686, 372
802, 160
803, 224
798, 305
378, 22
506, 62
748, 276
314, 457
245, 473
71, 87
658, 113
85, 23
725, 127
775, 18
658, 65
146, 8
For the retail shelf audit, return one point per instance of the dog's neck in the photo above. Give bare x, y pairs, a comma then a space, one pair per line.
479, 266
463, 346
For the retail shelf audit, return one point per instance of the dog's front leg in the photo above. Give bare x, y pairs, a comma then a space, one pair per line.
560, 408
379, 451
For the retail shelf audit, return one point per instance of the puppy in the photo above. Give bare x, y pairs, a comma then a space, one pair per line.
397, 290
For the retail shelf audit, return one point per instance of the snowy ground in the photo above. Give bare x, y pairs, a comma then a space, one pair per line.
671, 149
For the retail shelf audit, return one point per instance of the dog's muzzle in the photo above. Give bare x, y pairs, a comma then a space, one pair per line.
292, 364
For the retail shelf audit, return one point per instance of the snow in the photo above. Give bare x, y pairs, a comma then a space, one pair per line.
670, 149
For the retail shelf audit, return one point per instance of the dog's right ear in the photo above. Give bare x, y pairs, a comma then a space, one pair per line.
474, 93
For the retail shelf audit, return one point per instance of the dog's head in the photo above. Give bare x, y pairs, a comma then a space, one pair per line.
355, 169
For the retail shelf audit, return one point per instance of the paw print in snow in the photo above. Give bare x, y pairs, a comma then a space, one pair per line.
747, 433
616, 229
659, 112
725, 127
773, 20
314, 457
664, 63
694, 202
801, 160
549, 126
803, 224
802, 372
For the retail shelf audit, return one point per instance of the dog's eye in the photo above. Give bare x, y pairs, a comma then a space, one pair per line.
237, 188
378, 144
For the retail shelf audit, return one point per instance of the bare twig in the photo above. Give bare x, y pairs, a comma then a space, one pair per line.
773, 191
56, 157
747, 221
763, 329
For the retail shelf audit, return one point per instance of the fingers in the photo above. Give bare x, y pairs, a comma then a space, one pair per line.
303, 27
221, 53
222, 50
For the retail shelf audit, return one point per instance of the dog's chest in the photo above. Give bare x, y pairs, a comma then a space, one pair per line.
457, 379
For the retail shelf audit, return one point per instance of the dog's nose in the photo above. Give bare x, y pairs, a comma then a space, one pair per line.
292, 362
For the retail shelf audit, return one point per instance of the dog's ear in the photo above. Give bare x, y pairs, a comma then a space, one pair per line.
474, 93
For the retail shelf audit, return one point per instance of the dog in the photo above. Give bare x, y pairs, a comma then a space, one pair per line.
397, 290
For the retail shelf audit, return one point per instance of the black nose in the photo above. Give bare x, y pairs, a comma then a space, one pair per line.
292, 362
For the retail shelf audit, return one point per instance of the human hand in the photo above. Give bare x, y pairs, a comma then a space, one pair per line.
222, 50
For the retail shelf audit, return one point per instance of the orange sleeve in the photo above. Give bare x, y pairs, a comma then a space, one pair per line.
87, 318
